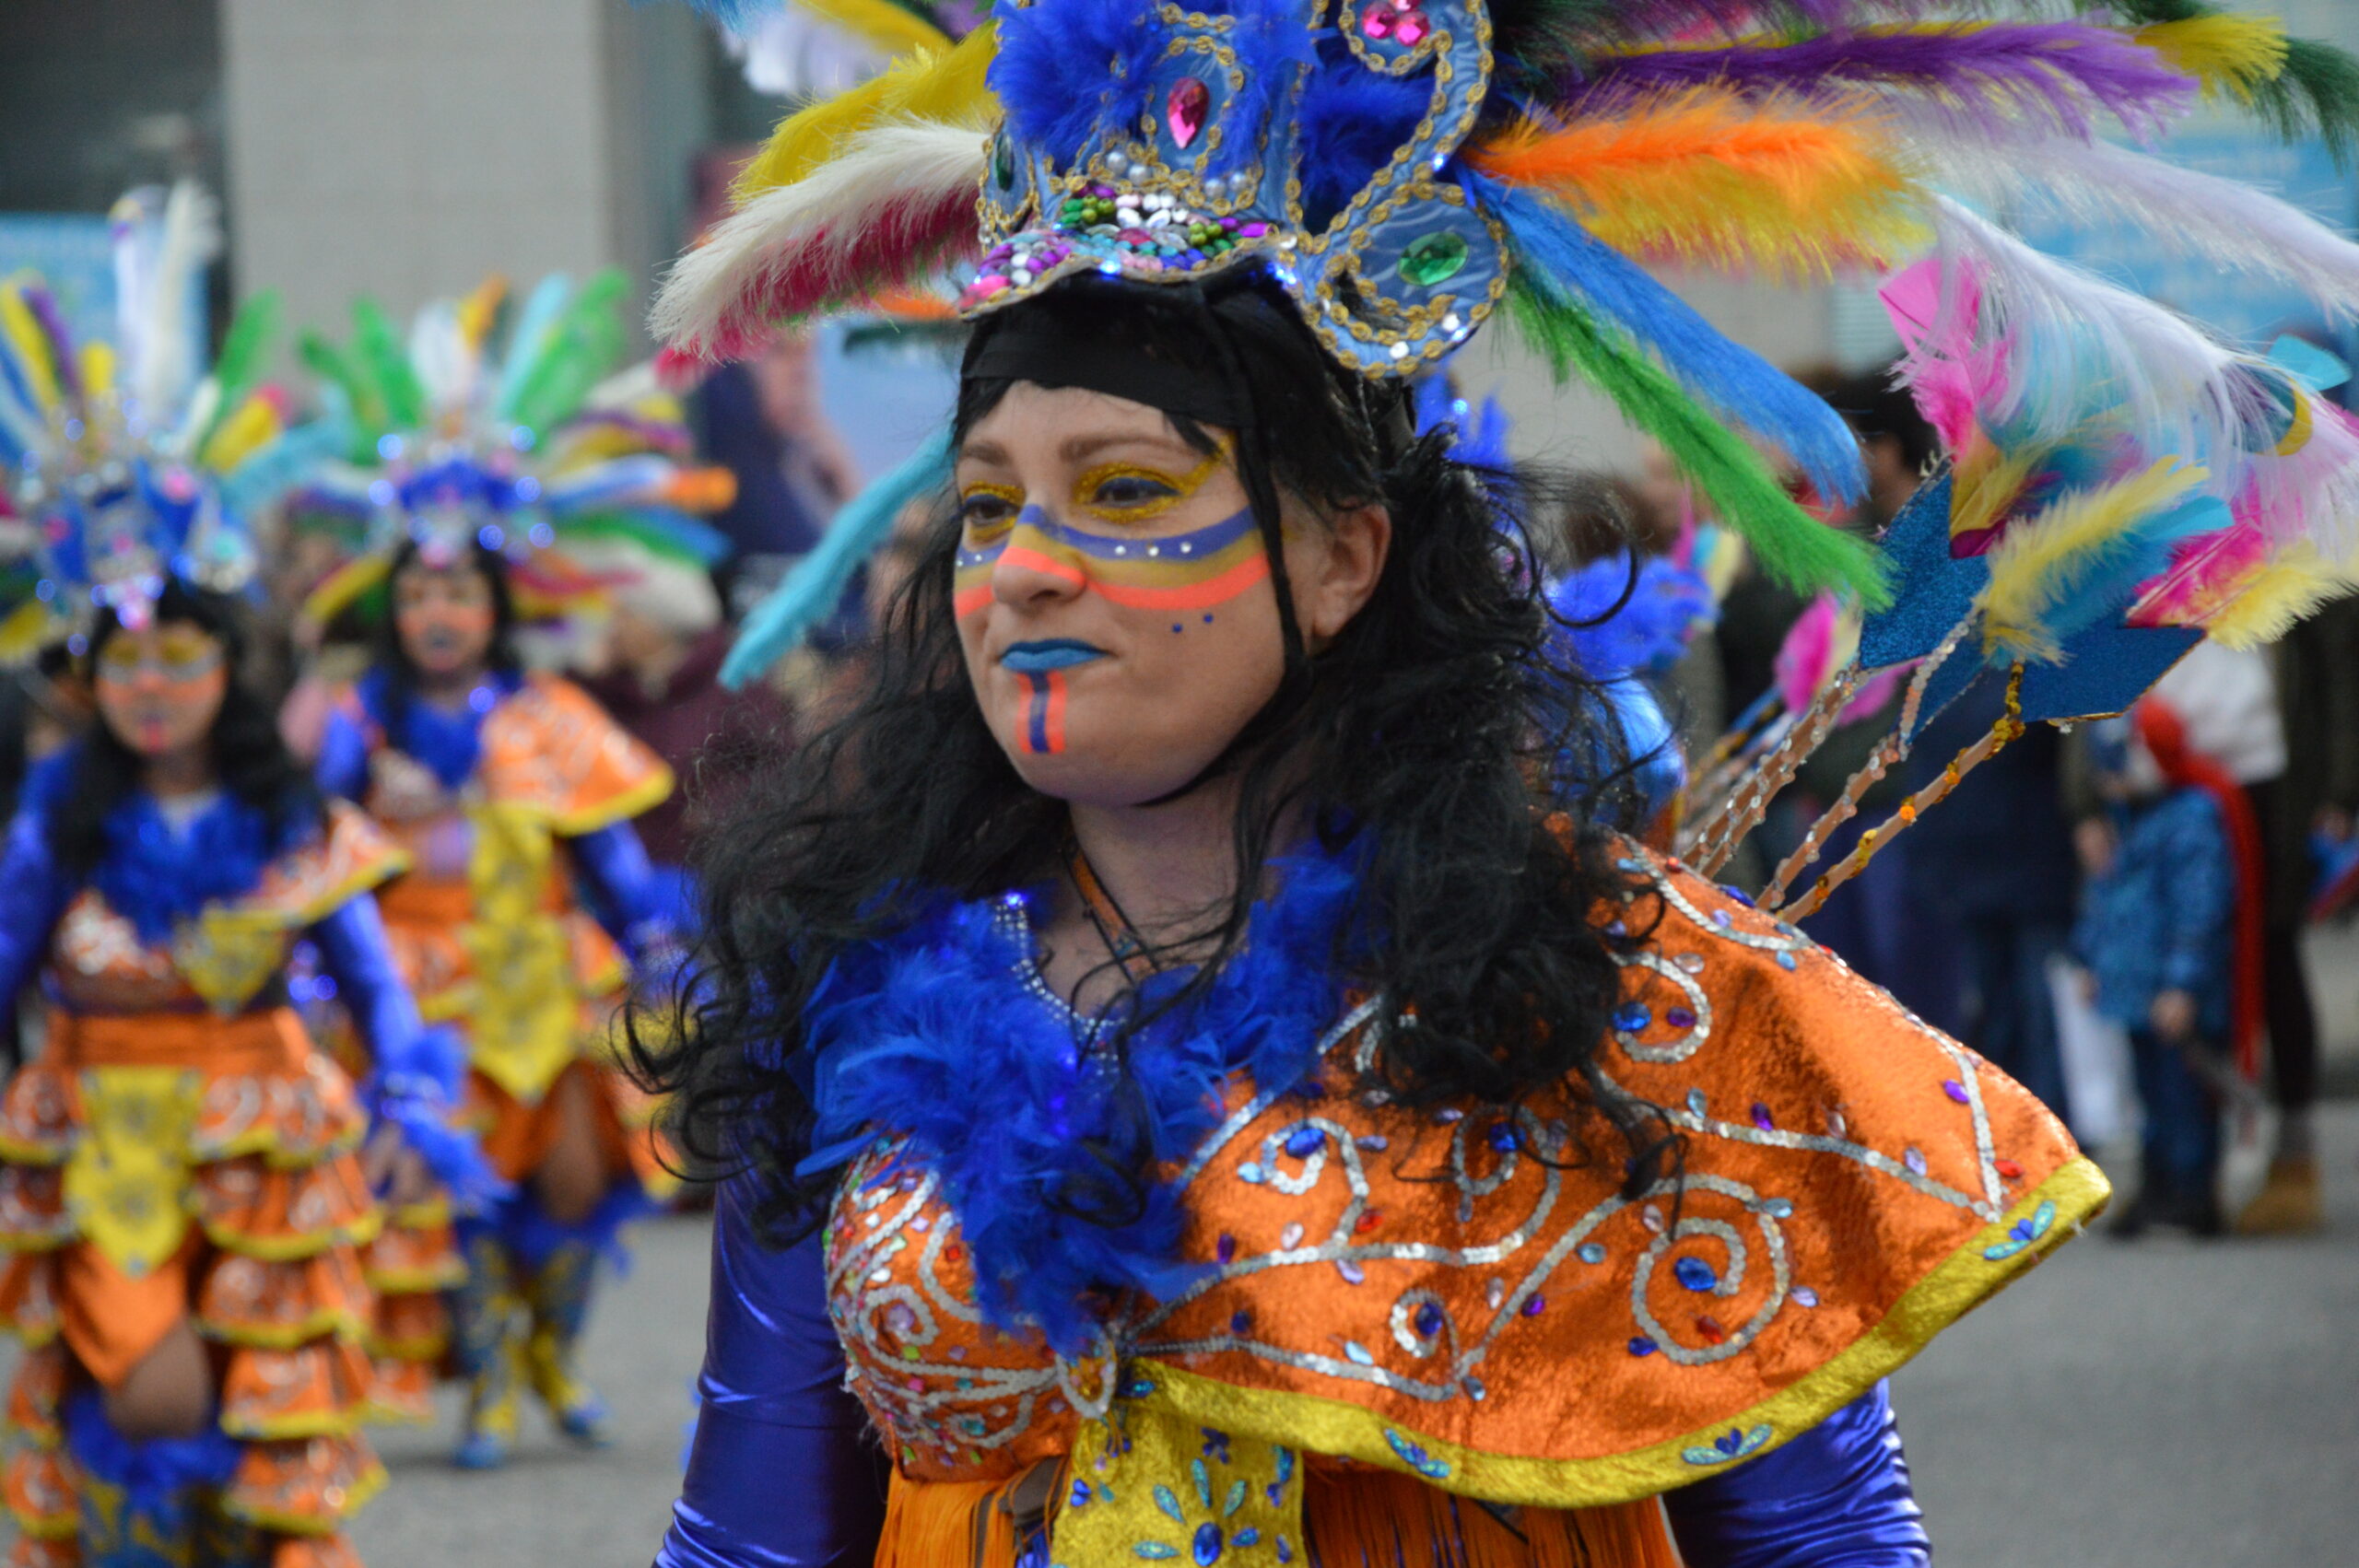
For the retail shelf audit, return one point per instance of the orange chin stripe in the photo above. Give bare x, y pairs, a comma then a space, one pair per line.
1193, 596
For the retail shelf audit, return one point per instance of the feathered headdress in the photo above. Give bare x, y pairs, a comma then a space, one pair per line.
129, 461
1403, 170
524, 438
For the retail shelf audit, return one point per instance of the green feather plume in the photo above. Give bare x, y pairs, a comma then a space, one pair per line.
1793, 546
577, 351
331, 365
385, 359
247, 344
2316, 93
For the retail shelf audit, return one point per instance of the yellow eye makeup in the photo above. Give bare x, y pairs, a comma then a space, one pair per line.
1129, 492
174, 658
986, 511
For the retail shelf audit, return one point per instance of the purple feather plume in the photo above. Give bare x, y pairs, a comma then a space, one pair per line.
43, 306
2062, 72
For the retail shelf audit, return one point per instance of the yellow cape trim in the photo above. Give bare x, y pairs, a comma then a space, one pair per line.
1961, 1281
364, 1487
622, 806
286, 1249
339, 1322
298, 1428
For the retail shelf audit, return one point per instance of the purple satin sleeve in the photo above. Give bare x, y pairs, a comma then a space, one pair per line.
343, 767
784, 1473
1836, 1497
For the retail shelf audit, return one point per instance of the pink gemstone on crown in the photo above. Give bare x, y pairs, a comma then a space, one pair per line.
1186, 108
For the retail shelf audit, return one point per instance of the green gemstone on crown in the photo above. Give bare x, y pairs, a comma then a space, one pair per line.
1437, 258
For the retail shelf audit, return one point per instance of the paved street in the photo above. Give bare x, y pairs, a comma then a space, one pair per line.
2157, 1406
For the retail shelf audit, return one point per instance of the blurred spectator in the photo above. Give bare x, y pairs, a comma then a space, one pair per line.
1902, 946
761, 419
1995, 866
2290, 743
2157, 931
657, 672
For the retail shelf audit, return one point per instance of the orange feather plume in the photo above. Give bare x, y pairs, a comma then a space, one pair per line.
1706, 177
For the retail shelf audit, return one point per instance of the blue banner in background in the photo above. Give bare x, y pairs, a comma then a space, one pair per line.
2245, 309
71, 253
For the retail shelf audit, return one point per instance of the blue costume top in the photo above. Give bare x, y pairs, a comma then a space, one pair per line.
2160, 917
160, 875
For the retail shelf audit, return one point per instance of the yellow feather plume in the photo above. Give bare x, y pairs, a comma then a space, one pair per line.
2280, 594
22, 634
1987, 482
343, 585
98, 362
890, 28
945, 86
234, 439
30, 344
2226, 54
2029, 565
1710, 177
478, 310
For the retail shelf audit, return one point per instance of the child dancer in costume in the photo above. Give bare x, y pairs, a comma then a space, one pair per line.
530, 896
2160, 929
181, 1175
1232, 1106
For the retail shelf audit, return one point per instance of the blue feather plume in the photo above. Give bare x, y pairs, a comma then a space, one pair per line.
542, 308
1063, 70
816, 583
1351, 123
1733, 382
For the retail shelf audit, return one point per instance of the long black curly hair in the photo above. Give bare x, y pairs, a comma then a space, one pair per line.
250, 758
399, 672
1435, 731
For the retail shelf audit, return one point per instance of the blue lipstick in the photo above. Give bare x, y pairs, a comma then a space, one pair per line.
1055, 653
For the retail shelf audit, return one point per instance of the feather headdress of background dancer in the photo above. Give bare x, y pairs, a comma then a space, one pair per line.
130, 461
514, 426
2117, 482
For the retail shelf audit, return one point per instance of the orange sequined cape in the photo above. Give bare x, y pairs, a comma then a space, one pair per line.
1470, 1299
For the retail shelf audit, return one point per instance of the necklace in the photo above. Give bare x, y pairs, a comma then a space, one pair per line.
1131, 951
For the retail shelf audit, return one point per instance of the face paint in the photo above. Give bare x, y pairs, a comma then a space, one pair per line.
159, 688
1044, 721
1186, 572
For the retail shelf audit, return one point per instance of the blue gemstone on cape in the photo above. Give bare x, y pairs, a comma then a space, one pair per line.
1642, 1346
1695, 1273
1302, 1140
1429, 1319
1632, 1016
1501, 1135
1591, 1252
1207, 1545
1740, 896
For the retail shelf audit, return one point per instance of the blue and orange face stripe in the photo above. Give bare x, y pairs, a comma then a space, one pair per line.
1044, 717
1180, 572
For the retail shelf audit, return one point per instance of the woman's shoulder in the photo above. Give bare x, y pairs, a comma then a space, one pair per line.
1384, 1282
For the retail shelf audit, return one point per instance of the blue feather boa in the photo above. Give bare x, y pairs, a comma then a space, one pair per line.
935, 1035
449, 745
158, 877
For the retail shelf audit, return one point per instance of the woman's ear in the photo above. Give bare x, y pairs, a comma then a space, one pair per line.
1347, 559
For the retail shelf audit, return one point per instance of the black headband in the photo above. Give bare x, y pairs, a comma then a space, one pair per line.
1051, 349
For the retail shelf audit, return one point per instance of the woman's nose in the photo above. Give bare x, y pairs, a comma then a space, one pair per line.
1035, 566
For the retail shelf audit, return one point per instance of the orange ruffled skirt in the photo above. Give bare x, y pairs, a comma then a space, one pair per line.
261, 1180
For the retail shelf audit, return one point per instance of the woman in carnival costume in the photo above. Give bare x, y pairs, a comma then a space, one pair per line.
530, 899
181, 1174
1176, 1045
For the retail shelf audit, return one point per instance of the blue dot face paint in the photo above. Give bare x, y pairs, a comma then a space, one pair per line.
1184, 571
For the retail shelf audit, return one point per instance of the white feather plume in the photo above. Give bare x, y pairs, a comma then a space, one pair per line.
163, 355
2224, 221
446, 363
2073, 346
901, 166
